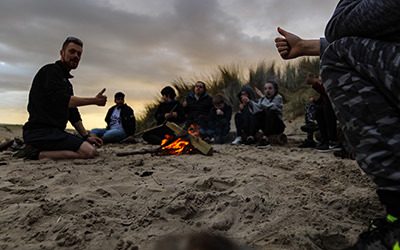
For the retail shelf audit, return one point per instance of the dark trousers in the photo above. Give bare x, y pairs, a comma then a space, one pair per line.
361, 77
269, 122
326, 120
245, 123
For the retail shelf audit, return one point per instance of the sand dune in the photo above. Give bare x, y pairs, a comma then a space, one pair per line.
279, 197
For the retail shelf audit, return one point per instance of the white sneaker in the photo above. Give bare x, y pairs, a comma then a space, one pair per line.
237, 140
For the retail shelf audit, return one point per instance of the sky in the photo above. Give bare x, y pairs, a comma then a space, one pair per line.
140, 46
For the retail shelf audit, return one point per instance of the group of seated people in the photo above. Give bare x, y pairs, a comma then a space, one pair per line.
259, 111
259, 116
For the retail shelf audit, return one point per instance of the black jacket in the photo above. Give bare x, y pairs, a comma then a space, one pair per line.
49, 97
198, 110
166, 107
128, 120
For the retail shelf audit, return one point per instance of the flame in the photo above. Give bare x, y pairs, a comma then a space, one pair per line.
177, 147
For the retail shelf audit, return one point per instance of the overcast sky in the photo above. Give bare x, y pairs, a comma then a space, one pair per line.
139, 46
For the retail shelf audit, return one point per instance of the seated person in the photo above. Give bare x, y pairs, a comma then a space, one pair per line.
268, 111
197, 106
219, 123
310, 126
52, 104
244, 120
170, 110
120, 120
325, 117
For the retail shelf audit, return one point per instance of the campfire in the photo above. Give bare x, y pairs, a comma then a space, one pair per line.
178, 143
172, 146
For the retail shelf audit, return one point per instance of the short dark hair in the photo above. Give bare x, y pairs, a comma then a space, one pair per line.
72, 39
218, 99
119, 95
202, 83
168, 91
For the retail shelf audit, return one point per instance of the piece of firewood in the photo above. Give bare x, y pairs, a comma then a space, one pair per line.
202, 146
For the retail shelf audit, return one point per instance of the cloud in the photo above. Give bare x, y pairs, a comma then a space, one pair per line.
139, 46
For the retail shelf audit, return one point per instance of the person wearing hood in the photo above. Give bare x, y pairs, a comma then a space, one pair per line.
244, 120
197, 106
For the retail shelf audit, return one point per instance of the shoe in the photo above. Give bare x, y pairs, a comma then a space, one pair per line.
309, 127
263, 141
343, 154
308, 144
250, 140
333, 146
323, 147
28, 152
328, 147
237, 141
381, 234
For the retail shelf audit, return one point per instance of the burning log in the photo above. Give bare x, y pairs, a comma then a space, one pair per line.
195, 141
182, 142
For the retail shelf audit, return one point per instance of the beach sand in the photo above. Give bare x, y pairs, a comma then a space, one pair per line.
278, 197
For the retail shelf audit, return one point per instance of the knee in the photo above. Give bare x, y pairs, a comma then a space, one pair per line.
87, 151
339, 50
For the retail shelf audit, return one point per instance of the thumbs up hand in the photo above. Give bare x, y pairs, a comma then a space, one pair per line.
101, 99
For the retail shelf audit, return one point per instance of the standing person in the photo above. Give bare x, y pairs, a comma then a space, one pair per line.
197, 106
120, 120
52, 104
268, 111
359, 69
220, 119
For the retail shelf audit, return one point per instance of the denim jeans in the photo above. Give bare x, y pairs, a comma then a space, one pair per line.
109, 135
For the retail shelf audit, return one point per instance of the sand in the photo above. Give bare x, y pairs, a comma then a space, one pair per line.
278, 197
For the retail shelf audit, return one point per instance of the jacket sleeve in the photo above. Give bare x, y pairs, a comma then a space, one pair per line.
108, 116
74, 115
159, 115
365, 18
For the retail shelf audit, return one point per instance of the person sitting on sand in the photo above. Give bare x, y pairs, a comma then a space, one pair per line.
169, 110
268, 111
325, 116
120, 120
219, 123
359, 69
197, 106
244, 119
310, 125
52, 104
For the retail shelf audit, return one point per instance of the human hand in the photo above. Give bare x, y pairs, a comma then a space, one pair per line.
244, 99
258, 92
289, 45
219, 112
101, 99
241, 106
92, 139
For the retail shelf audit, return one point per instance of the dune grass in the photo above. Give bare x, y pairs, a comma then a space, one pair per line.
228, 80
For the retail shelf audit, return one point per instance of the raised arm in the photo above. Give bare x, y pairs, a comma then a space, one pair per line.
99, 100
292, 46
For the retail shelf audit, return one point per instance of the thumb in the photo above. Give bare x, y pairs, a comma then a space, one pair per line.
282, 31
102, 91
